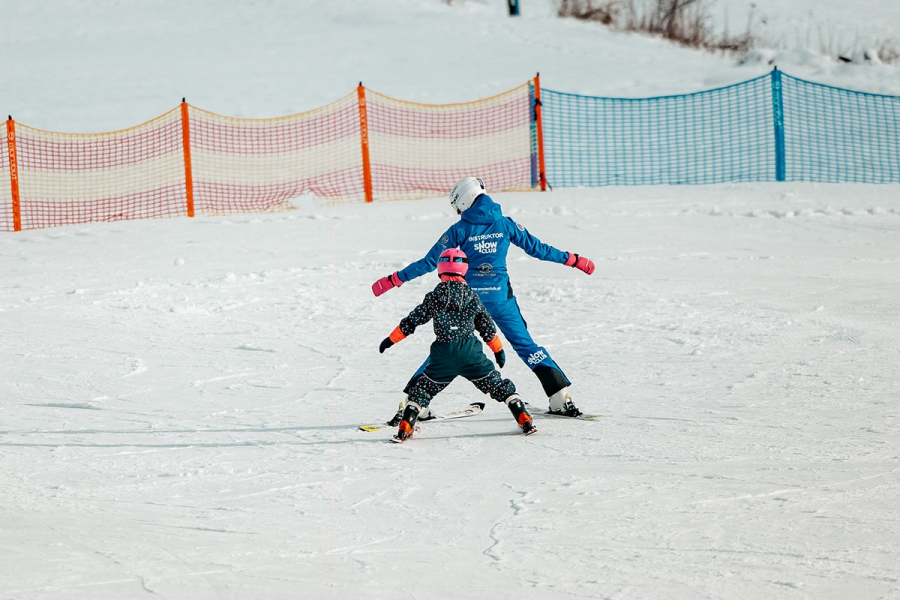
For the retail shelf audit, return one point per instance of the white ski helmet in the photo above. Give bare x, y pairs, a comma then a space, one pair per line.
465, 192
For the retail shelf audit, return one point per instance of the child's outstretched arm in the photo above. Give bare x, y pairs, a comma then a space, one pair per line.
396, 336
419, 316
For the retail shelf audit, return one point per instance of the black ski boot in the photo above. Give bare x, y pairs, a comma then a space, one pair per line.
425, 414
407, 424
520, 414
398, 416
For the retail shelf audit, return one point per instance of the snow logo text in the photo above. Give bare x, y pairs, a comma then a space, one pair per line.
537, 357
484, 244
486, 247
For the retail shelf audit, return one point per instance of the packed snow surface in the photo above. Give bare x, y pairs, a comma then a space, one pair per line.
181, 401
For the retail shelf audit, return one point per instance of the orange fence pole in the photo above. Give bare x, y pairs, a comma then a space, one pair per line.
539, 125
14, 173
186, 142
364, 139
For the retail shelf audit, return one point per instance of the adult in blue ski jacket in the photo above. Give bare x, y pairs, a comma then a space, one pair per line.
485, 235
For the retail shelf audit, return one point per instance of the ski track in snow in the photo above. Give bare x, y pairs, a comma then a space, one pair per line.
745, 367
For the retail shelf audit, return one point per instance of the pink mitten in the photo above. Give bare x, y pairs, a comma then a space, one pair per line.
580, 262
386, 283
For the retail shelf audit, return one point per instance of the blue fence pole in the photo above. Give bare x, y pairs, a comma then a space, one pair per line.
778, 118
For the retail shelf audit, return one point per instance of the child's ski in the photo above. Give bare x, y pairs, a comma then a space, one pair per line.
470, 411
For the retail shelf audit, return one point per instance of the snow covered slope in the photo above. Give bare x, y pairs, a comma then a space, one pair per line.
180, 401
102, 65
828, 24
179, 398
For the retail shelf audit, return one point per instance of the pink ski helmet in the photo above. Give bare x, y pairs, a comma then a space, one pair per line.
453, 261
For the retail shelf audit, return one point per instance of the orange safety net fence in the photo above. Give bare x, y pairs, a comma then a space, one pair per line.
250, 165
67, 178
420, 147
363, 147
6, 201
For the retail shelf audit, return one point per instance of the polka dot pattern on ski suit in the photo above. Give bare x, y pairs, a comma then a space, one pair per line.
456, 310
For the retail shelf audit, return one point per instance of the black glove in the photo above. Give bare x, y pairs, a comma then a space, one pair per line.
500, 357
385, 344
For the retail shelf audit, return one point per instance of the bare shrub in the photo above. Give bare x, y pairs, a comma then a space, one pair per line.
605, 12
688, 23
888, 52
682, 21
685, 22
830, 40
742, 42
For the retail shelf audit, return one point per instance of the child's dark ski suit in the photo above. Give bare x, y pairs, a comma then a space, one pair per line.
457, 312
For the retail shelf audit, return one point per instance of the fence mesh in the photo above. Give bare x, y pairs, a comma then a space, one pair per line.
250, 165
417, 149
837, 135
6, 214
67, 178
708, 137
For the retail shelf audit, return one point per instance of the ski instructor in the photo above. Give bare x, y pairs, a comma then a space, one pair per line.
484, 234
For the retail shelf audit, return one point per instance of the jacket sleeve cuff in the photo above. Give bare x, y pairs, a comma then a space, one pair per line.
495, 344
397, 335
395, 279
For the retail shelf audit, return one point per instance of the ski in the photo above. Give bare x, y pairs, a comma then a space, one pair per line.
470, 411
398, 440
581, 417
535, 412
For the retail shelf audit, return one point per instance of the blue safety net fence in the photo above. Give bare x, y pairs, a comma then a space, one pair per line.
772, 128
836, 135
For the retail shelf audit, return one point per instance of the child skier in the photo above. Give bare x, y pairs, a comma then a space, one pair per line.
485, 235
456, 311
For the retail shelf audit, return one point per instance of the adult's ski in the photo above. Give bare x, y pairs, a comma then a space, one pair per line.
537, 412
581, 417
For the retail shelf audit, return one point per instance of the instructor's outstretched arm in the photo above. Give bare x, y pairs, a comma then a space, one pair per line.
538, 249
424, 265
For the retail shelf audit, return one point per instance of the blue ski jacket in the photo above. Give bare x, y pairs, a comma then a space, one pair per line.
484, 234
